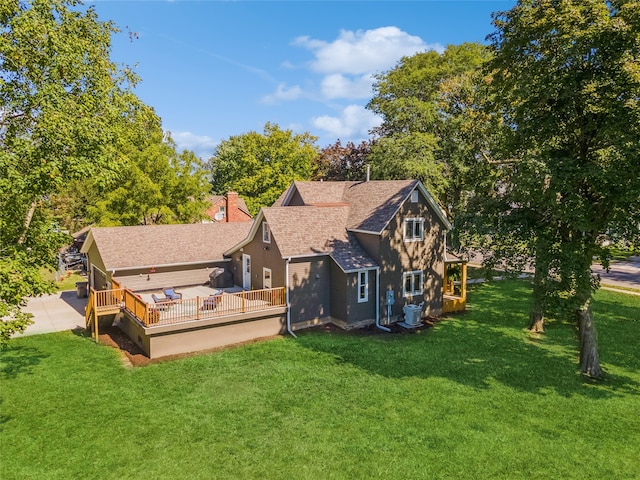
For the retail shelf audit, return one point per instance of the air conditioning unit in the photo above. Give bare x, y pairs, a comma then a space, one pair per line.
413, 315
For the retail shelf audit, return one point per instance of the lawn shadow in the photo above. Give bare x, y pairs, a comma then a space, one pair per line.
488, 344
3, 418
17, 360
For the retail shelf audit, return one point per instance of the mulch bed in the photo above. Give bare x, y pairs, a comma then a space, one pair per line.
131, 353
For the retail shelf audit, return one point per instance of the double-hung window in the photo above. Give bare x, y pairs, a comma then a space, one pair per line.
413, 229
363, 286
413, 282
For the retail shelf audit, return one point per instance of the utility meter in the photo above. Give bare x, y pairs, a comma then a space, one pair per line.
390, 295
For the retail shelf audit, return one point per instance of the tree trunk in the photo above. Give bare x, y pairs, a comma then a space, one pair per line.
536, 323
589, 358
536, 318
27, 222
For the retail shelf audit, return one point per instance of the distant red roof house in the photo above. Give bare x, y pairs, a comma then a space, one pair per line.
229, 208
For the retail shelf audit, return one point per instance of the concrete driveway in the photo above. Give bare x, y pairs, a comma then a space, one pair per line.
56, 312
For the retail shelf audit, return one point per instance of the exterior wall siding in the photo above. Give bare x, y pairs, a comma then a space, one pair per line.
359, 312
260, 258
142, 279
296, 200
398, 256
370, 243
95, 259
339, 293
310, 284
177, 339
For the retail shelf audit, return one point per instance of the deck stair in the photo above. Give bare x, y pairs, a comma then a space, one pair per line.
101, 303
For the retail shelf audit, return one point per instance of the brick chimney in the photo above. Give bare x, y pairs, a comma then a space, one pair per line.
233, 214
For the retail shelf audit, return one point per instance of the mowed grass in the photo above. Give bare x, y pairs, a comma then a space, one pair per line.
476, 396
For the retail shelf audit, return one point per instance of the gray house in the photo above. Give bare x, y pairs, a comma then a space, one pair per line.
349, 253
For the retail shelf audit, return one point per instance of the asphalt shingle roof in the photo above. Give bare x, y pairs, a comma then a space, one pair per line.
316, 230
154, 245
373, 203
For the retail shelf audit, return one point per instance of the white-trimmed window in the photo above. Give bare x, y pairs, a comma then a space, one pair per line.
412, 283
266, 233
266, 277
413, 229
414, 196
222, 210
363, 286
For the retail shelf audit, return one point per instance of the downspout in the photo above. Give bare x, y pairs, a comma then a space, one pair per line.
378, 302
286, 281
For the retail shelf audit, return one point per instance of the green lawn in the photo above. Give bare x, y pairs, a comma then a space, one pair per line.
475, 397
67, 282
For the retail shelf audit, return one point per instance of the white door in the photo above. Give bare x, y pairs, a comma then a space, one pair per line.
246, 271
266, 278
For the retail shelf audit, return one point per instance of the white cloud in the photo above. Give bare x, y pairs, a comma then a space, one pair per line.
349, 62
337, 85
283, 93
363, 51
202, 145
354, 121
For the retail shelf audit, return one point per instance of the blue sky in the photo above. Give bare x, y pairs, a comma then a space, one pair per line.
214, 69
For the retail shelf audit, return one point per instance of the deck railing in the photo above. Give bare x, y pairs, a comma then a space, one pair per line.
224, 304
199, 308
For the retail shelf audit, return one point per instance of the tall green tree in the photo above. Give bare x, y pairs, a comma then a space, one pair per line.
63, 103
155, 185
430, 128
260, 166
566, 81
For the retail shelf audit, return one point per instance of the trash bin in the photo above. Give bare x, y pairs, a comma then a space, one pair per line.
81, 289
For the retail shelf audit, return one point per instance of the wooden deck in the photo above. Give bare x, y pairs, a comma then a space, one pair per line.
109, 302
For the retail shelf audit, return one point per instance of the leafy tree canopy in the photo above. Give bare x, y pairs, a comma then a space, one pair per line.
155, 185
338, 163
260, 166
428, 128
63, 104
565, 79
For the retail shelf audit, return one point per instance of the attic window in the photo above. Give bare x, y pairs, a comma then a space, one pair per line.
414, 196
413, 229
266, 233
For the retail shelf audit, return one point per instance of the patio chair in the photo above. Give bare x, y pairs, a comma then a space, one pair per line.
161, 303
211, 302
172, 294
